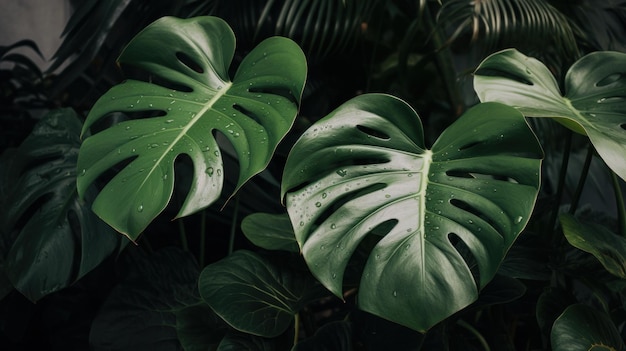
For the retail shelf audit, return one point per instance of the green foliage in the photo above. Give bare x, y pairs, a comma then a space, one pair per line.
368, 227
253, 111
448, 208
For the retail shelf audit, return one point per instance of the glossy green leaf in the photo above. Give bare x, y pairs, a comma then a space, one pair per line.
594, 102
450, 213
270, 231
253, 112
140, 313
255, 295
582, 328
607, 247
49, 238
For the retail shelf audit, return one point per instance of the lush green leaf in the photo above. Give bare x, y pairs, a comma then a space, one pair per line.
594, 102
448, 211
253, 111
255, 295
607, 247
270, 231
49, 238
141, 312
582, 328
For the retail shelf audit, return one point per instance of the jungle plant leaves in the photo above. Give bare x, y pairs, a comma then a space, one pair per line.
582, 328
255, 295
607, 247
448, 212
253, 111
48, 237
594, 102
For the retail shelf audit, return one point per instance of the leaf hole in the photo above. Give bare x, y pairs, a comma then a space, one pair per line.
490, 72
466, 254
623, 126
462, 205
189, 62
285, 93
248, 113
344, 199
469, 145
373, 132
610, 79
459, 174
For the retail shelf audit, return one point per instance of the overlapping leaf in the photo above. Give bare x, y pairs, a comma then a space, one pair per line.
253, 111
582, 328
449, 213
49, 238
594, 102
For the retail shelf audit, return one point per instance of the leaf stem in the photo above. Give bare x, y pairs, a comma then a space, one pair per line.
475, 332
561, 183
621, 209
582, 179
202, 238
183, 235
233, 226
296, 328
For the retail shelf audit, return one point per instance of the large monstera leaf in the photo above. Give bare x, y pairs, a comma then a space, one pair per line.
446, 217
48, 237
594, 102
253, 111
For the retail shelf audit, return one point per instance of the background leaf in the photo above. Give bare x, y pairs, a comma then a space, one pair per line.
270, 231
255, 295
141, 311
447, 212
49, 238
607, 247
253, 112
594, 102
582, 328
199, 328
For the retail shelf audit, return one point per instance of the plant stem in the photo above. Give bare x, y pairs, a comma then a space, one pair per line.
561, 184
183, 235
475, 332
621, 209
581, 181
296, 328
202, 238
233, 226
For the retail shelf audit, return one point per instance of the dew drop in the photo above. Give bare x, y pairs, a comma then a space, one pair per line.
318, 204
209, 171
127, 128
216, 153
168, 121
342, 172
165, 176
140, 208
518, 219
82, 173
324, 195
302, 224
219, 172
395, 293
333, 226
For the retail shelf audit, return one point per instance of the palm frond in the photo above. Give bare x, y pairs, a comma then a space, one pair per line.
529, 25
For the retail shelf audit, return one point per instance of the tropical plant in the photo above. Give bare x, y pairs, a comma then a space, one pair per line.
314, 208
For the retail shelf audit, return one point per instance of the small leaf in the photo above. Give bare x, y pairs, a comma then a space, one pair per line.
447, 213
254, 111
607, 247
582, 328
48, 237
594, 102
270, 231
254, 295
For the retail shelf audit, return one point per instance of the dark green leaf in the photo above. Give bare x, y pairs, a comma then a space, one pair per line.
199, 328
49, 238
141, 311
448, 211
270, 231
255, 295
334, 336
582, 328
253, 111
241, 341
607, 247
594, 102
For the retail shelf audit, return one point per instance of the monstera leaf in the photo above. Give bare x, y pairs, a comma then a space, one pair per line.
253, 111
594, 102
450, 213
48, 237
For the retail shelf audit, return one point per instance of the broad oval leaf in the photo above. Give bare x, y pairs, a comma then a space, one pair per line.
607, 247
253, 111
448, 211
582, 328
270, 231
48, 237
594, 102
255, 295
